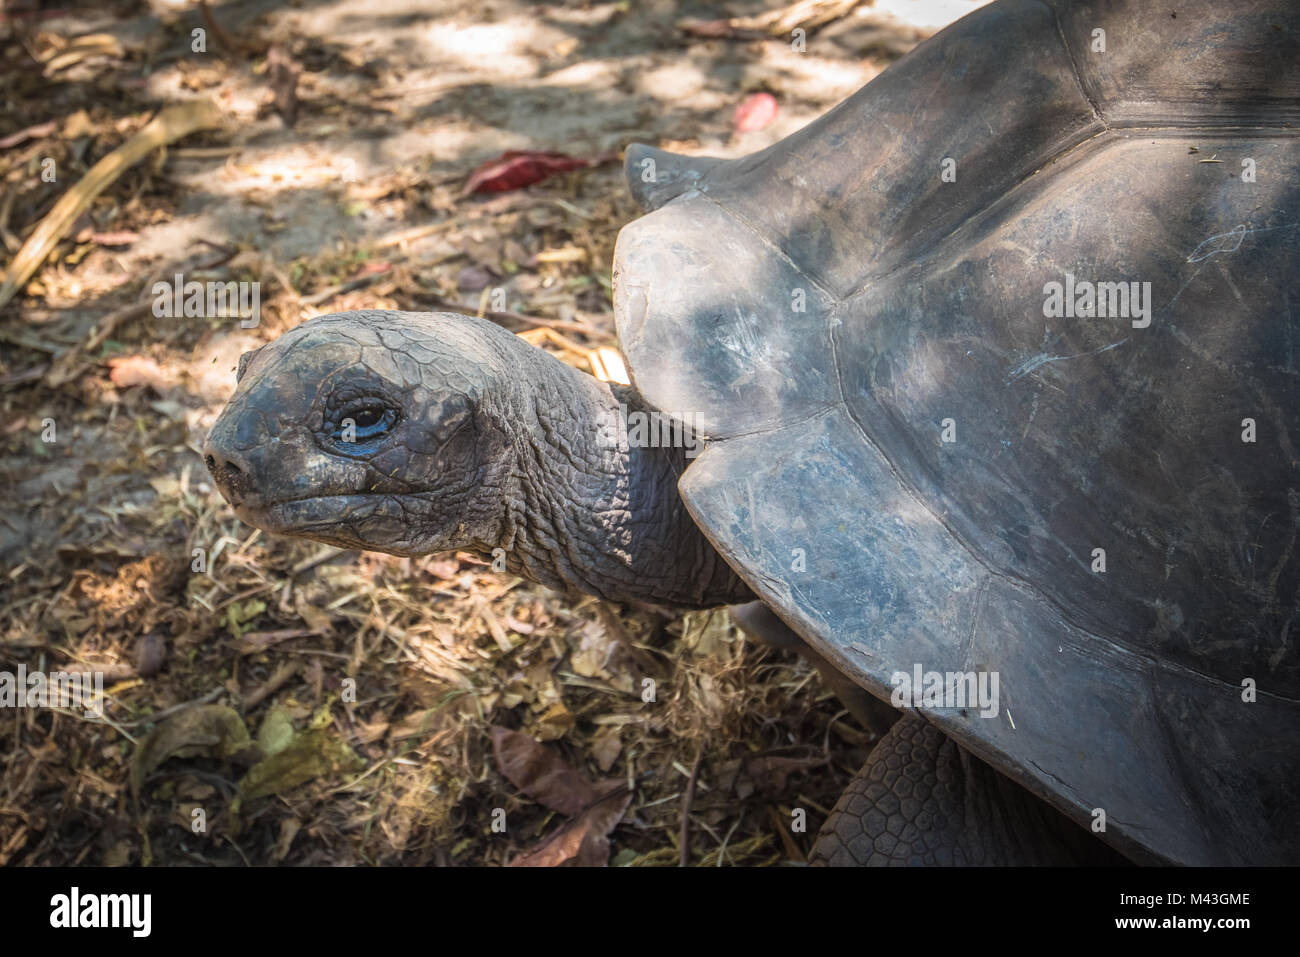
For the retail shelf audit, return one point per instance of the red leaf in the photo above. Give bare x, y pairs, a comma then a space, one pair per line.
755, 112
540, 772
515, 169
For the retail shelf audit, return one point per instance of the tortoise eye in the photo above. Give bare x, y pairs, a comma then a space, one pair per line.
369, 417
362, 424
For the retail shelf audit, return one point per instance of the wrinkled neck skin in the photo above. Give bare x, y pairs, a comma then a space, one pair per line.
582, 514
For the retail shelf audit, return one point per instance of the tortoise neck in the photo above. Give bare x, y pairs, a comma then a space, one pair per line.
590, 511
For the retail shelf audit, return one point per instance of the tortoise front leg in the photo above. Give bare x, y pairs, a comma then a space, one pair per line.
922, 799
762, 624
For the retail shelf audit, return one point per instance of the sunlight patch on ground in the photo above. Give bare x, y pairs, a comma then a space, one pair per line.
926, 14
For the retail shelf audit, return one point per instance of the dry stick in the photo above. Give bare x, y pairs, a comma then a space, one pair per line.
499, 316
351, 285
30, 374
412, 233
171, 124
809, 14
165, 713
687, 798
272, 685
30, 133
253, 642
67, 367
791, 848
12, 242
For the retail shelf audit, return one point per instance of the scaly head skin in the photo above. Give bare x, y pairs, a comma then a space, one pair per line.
413, 433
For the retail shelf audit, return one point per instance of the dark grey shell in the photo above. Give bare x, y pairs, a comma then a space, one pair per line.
826, 481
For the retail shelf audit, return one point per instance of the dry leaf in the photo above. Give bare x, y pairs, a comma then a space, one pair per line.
553, 723
312, 754
289, 828
584, 841
540, 773
606, 745
214, 730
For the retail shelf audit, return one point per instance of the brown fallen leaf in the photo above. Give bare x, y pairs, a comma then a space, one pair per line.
540, 772
584, 841
553, 723
214, 730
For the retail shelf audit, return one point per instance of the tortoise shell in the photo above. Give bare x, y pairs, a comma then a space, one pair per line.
997, 365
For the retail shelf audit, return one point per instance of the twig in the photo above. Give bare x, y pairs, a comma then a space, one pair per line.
505, 316
30, 374
411, 234
72, 363
33, 132
687, 798
272, 685
12, 242
791, 848
722, 848
171, 124
351, 285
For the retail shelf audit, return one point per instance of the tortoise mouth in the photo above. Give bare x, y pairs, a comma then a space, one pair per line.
325, 513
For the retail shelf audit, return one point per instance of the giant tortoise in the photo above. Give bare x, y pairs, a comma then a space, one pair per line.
994, 369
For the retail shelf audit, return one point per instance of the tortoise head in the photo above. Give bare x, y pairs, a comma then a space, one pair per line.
413, 433
368, 430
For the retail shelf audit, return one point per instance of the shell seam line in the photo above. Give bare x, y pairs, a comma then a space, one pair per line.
1207, 129
816, 413
1074, 69
772, 244
929, 246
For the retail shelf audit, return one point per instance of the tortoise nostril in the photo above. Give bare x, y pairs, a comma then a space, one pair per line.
230, 479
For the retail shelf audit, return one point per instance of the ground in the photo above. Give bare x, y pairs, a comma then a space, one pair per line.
271, 701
